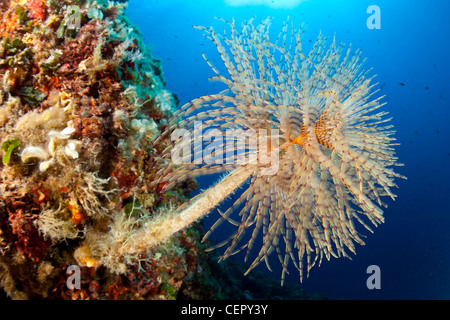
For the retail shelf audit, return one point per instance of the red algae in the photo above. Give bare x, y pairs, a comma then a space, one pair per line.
37, 9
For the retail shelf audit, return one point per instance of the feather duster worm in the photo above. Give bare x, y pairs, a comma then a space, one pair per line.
334, 146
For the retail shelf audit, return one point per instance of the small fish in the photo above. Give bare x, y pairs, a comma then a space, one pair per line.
402, 84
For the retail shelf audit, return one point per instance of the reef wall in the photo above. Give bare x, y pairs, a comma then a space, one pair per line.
81, 103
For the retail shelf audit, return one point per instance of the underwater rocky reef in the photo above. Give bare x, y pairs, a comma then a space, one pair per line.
81, 101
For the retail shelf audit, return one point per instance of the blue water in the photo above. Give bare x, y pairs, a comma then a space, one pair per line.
412, 247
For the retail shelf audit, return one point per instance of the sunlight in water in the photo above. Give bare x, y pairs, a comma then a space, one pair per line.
285, 4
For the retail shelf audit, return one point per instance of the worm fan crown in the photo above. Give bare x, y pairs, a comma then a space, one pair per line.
335, 148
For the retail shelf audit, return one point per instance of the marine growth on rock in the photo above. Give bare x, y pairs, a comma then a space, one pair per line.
81, 103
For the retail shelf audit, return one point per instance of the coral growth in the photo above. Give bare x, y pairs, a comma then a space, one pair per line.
81, 104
